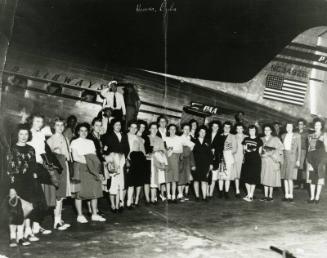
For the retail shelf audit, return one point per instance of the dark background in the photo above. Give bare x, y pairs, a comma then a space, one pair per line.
225, 40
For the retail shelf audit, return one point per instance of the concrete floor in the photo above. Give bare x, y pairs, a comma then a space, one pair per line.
219, 228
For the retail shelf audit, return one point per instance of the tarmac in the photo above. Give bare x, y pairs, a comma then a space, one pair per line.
218, 228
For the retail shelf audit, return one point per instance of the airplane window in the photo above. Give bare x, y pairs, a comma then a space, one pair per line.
89, 96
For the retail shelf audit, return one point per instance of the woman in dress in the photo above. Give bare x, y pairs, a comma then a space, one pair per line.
116, 149
136, 174
59, 145
251, 167
174, 153
302, 178
292, 157
203, 158
24, 184
156, 161
226, 165
86, 179
186, 163
216, 145
238, 156
272, 159
41, 152
316, 160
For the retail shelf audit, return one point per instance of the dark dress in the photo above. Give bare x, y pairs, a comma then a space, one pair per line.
203, 159
218, 145
251, 168
21, 168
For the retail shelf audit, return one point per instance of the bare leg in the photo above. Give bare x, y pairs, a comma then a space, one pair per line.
113, 201
118, 199
187, 187
196, 188
204, 186
153, 194
252, 189
266, 191
291, 187
130, 193
248, 189
319, 187
89, 208
286, 188
13, 232
147, 192
168, 191
137, 196
94, 205
212, 188
174, 186
78, 206
237, 186
312, 191
227, 184
271, 190
221, 185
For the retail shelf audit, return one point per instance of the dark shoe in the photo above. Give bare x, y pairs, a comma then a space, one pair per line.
226, 195
316, 201
264, 199
23, 242
147, 203
291, 200
130, 207
285, 199
12, 243
121, 209
197, 199
310, 201
269, 199
113, 210
205, 199
238, 196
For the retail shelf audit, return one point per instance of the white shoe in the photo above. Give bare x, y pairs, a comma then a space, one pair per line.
44, 231
61, 226
81, 219
98, 218
179, 196
163, 198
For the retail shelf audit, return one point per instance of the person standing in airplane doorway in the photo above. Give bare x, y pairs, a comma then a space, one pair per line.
115, 100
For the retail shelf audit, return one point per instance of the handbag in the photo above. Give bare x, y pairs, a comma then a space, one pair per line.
52, 170
70, 162
26, 206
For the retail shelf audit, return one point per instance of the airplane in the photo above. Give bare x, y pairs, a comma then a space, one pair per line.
290, 86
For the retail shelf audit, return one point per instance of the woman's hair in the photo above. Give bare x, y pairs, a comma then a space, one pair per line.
301, 120
24, 127
96, 119
32, 116
238, 125
142, 122
193, 121
227, 123
318, 120
80, 125
217, 122
202, 127
114, 121
133, 122
170, 126
253, 127
162, 117
185, 124
71, 117
273, 133
153, 123
58, 119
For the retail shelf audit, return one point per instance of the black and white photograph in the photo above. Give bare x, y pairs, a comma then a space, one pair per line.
163, 128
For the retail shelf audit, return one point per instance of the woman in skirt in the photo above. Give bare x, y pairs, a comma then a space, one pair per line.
272, 159
292, 157
136, 173
156, 161
86, 179
302, 173
116, 149
316, 160
24, 184
59, 145
174, 153
49, 191
226, 165
203, 159
238, 156
251, 167
186, 163
194, 128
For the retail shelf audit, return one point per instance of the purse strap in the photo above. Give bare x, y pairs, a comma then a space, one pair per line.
70, 155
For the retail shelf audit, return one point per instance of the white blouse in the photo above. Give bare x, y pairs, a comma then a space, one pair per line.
176, 143
288, 141
80, 147
38, 143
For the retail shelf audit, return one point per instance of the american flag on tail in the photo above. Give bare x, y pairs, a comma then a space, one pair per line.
285, 90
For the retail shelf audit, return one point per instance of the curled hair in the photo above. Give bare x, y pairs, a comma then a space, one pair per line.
80, 125
24, 127
253, 127
273, 133
162, 117
114, 121
185, 124
96, 119
318, 120
193, 121
133, 122
227, 123
32, 116
238, 125
153, 123
217, 122
202, 127
71, 117
170, 126
142, 122
301, 120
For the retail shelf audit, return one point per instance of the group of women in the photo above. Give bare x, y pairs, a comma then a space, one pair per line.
83, 161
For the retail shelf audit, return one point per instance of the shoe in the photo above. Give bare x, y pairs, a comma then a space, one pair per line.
12, 243
81, 219
264, 199
120, 209
61, 226
147, 203
23, 242
238, 196
101, 213
205, 199
130, 207
250, 199
316, 201
113, 210
291, 200
310, 201
246, 198
98, 218
44, 231
226, 195
186, 199
31, 238
197, 199
285, 199
163, 198
269, 199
